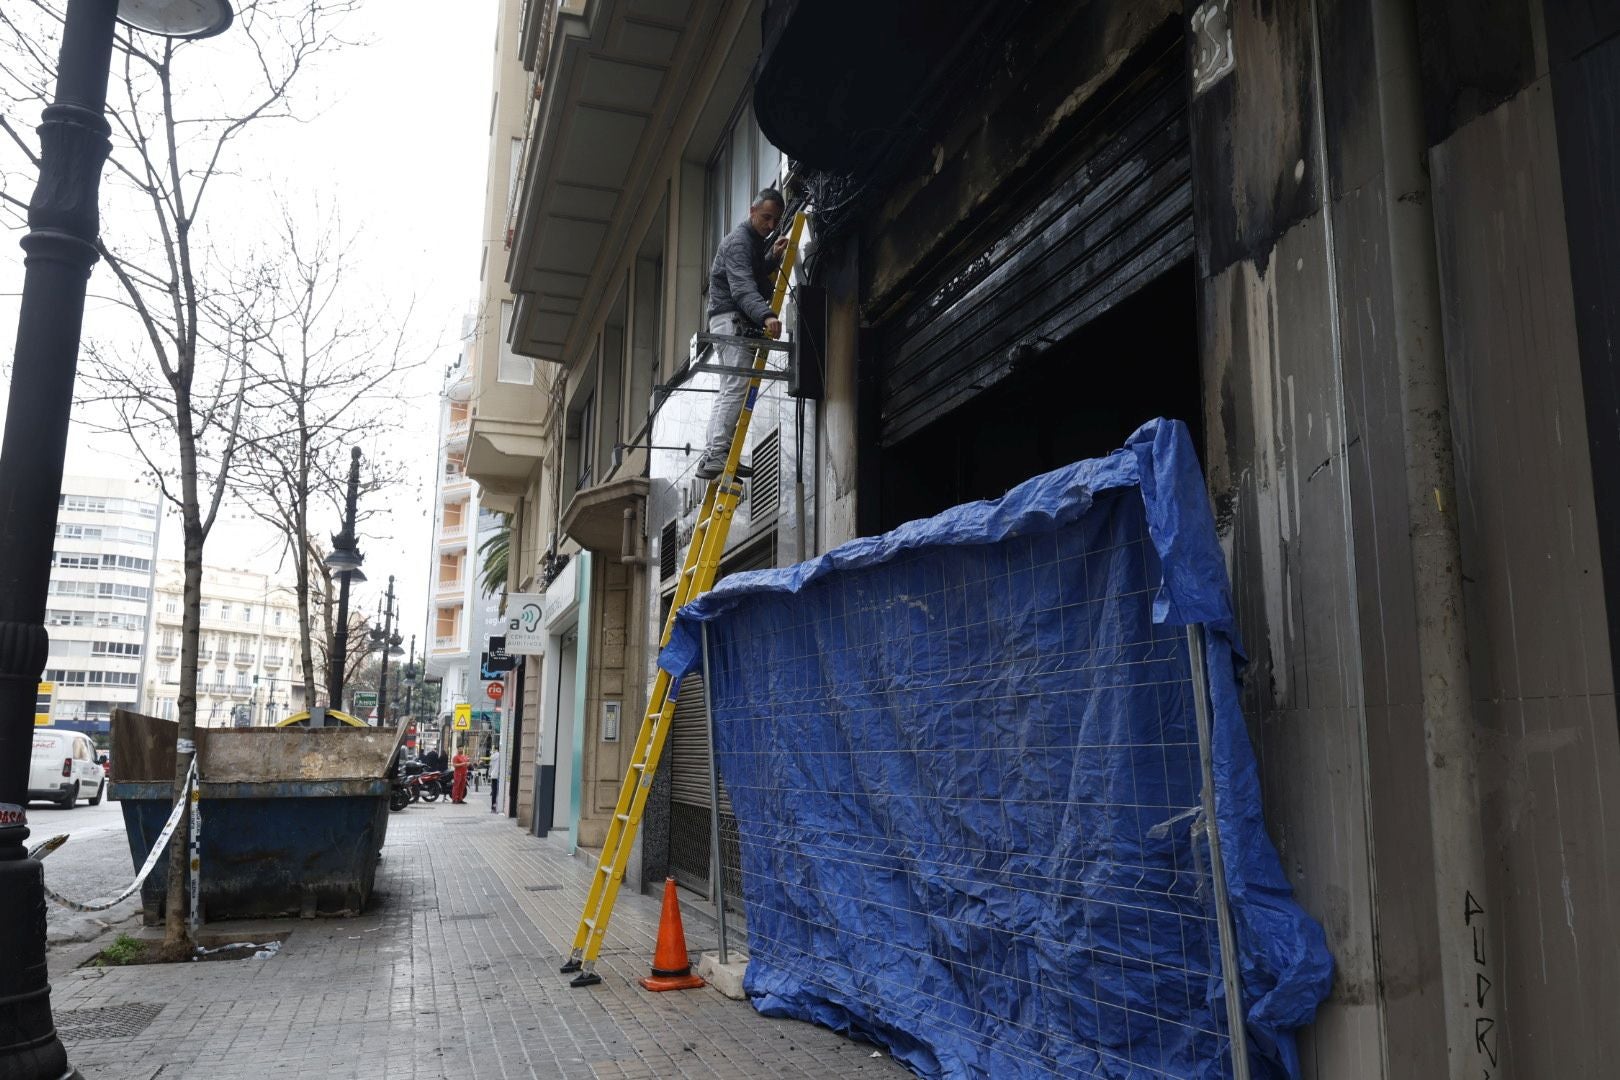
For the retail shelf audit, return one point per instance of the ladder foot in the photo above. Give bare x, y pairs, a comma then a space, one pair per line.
587, 978
569, 968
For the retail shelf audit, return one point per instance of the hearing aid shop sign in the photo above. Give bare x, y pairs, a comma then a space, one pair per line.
525, 627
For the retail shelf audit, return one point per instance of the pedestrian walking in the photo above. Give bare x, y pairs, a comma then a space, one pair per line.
458, 789
740, 286
494, 777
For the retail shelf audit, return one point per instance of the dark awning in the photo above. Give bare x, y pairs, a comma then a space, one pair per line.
839, 82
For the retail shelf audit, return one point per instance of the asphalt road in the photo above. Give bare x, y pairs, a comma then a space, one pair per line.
93, 863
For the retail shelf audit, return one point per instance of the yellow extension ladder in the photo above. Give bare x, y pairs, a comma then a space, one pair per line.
697, 577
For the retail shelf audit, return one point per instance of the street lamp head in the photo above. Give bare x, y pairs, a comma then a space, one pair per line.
177, 18
345, 558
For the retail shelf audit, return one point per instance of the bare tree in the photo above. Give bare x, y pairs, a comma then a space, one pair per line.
182, 383
324, 376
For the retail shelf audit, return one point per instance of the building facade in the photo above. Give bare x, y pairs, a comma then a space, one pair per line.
248, 669
463, 615
1362, 250
100, 602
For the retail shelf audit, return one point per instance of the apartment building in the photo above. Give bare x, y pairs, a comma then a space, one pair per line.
463, 617
248, 669
624, 147
100, 598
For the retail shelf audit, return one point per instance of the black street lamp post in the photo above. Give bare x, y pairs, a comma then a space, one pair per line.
60, 247
386, 640
344, 561
411, 676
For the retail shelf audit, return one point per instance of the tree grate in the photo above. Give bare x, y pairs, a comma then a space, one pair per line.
108, 1022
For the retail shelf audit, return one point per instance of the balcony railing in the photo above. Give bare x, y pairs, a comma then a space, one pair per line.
271, 660
244, 658
168, 652
450, 643
205, 654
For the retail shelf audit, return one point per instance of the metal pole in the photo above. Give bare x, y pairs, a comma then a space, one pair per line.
340, 634
388, 630
1231, 975
60, 248
717, 872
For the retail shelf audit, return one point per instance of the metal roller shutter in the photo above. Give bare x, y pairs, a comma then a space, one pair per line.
688, 752
1117, 213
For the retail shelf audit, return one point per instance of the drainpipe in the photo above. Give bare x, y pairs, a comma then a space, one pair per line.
1467, 950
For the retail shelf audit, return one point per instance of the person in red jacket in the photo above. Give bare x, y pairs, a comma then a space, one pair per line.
458, 790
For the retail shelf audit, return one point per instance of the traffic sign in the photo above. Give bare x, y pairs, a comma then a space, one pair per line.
365, 699
495, 690
463, 718
42, 703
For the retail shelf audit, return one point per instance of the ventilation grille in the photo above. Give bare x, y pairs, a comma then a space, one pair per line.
108, 1022
765, 489
667, 556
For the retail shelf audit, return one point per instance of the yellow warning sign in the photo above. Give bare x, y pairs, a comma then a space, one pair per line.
463, 719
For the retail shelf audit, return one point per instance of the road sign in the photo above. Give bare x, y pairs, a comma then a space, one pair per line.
42, 703
463, 719
495, 690
365, 699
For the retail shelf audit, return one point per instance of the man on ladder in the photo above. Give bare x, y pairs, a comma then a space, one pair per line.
740, 283
742, 266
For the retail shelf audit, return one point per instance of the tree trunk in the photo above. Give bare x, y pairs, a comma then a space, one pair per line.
176, 932
306, 650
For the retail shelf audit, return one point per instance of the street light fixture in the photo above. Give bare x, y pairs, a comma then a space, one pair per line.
177, 18
63, 226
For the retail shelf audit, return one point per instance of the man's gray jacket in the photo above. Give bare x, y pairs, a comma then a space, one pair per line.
741, 278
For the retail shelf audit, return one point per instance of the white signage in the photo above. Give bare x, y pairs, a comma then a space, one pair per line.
525, 632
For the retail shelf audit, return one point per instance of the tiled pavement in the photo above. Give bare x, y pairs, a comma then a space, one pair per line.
453, 975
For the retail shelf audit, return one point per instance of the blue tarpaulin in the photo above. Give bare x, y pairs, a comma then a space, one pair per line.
964, 768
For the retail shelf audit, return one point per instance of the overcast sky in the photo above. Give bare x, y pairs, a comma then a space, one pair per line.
397, 146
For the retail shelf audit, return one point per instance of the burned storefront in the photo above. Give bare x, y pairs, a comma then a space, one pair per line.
1341, 245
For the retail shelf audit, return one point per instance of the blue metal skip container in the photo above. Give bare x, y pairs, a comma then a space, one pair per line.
293, 819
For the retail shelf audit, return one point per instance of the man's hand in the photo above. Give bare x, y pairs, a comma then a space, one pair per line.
779, 247
773, 327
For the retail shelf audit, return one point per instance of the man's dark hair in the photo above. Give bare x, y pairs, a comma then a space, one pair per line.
770, 194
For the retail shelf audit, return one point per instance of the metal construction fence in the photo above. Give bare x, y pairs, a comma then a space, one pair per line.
976, 769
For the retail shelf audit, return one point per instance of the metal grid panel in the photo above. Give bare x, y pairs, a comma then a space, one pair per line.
108, 1022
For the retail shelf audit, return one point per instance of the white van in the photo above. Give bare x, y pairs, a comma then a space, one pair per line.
64, 769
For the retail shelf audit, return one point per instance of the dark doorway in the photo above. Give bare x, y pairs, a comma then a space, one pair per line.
1079, 398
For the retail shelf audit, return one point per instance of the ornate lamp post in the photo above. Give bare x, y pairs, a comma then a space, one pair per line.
344, 560
64, 223
387, 640
411, 675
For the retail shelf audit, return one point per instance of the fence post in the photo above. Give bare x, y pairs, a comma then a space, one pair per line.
1231, 975
717, 870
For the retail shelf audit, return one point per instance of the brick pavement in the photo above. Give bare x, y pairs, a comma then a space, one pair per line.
453, 975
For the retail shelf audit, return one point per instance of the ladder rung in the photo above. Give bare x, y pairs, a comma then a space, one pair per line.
590, 923
603, 868
622, 817
638, 764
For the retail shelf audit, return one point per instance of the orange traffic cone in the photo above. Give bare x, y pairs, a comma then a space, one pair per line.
672, 967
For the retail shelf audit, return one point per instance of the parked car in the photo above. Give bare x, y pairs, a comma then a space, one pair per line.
64, 769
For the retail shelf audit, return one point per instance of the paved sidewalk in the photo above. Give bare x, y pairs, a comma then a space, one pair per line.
453, 975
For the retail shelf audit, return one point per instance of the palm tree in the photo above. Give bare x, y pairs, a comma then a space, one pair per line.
496, 556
